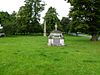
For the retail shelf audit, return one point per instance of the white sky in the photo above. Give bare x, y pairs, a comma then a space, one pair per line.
61, 6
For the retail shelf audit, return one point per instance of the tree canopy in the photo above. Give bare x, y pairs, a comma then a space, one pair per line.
65, 22
85, 15
29, 16
8, 21
51, 19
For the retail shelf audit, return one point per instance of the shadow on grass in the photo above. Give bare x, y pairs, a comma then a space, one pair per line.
91, 61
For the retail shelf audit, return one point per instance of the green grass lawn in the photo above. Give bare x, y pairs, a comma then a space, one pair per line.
30, 55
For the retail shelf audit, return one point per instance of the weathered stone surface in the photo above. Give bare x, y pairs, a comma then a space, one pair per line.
56, 38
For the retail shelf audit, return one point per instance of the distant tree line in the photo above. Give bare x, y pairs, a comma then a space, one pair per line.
27, 19
84, 17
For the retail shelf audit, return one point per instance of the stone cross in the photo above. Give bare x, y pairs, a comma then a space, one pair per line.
56, 26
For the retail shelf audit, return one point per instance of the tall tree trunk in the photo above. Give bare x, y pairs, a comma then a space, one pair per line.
94, 37
76, 34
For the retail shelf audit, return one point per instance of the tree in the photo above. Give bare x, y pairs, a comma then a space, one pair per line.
29, 16
51, 19
85, 15
23, 19
9, 22
65, 24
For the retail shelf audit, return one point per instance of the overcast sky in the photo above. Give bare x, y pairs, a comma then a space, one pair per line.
61, 6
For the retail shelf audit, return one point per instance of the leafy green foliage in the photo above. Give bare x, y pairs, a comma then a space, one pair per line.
85, 16
65, 22
29, 16
51, 19
8, 21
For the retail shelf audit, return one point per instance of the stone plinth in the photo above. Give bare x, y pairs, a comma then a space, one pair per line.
56, 38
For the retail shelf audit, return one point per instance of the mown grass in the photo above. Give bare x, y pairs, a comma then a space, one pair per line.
30, 55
